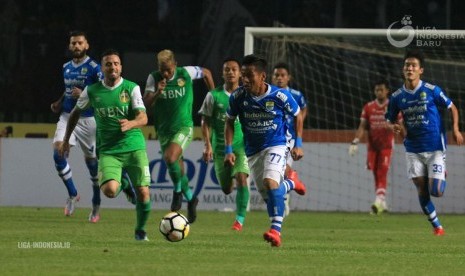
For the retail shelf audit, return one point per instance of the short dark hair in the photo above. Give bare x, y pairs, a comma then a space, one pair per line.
281, 65
382, 82
77, 33
228, 59
415, 53
109, 52
254, 60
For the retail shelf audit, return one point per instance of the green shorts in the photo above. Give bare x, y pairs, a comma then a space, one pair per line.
183, 138
135, 163
225, 174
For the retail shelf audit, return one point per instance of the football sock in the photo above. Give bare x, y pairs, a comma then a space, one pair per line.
242, 199
174, 171
288, 185
143, 212
64, 171
186, 190
124, 183
92, 165
275, 208
428, 208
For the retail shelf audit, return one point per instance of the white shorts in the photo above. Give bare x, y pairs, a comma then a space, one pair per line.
84, 134
268, 163
290, 145
431, 164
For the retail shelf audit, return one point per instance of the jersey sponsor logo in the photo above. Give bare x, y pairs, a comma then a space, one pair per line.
124, 96
84, 70
429, 85
181, 82
443, 96
112, 111
281, 96
175, 93
270, 105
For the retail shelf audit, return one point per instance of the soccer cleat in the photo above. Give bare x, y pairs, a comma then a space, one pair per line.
141, 235
176, 201
70, 205
377, 208
130, 195
192, 209
299, 187
273, 237
439, 231
94, 218
237, 226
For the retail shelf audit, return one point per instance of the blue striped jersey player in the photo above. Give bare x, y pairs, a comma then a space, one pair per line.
261, 109
78, 73
425, 143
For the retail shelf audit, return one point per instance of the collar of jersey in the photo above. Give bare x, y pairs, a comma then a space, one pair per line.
420, 83
112, 87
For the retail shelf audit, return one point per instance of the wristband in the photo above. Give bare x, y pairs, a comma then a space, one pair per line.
228, 149
298, 142
355, 141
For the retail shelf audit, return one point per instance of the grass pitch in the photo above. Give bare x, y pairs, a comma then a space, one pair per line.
313, 244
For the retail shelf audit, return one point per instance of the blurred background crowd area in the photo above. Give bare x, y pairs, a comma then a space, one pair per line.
34, 36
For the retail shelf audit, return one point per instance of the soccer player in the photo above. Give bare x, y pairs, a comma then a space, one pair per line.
78, 73
119, 113
261, 109
380, 142
169, 93
213, 113
425, 143
281, 78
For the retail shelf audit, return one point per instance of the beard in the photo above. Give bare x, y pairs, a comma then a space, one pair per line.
79, 54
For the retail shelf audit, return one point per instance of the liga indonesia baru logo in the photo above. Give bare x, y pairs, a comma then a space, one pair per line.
407, 30
421, 36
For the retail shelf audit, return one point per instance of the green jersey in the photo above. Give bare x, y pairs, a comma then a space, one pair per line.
173, 108
214, 106
112, 104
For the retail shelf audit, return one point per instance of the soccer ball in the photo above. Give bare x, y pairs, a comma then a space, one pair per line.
174, 227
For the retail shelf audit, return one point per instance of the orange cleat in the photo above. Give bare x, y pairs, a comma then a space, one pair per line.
299, 187
273, 237
439, 231
237, 226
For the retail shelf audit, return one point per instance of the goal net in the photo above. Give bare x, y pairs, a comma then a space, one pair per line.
336, 69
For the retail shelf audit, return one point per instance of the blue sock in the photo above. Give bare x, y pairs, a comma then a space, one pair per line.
92, 165
428, 208
64, 171
288, 185
275, 207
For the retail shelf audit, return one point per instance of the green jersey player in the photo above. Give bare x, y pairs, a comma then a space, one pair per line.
213, 113
119, 114
169, 93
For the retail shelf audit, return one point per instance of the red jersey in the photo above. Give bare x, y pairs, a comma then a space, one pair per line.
379, 137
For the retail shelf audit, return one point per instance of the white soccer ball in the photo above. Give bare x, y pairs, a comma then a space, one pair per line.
174, 227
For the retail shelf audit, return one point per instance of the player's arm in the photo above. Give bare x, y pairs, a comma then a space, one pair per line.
455, 124
229, 157
56, 105
208, 78
205, 127
139, 108
153, 90
297, 152
353, 148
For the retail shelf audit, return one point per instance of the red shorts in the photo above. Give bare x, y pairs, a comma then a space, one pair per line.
379, 159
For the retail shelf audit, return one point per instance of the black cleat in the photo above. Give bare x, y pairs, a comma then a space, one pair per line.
192, 209
176, 201
140, 235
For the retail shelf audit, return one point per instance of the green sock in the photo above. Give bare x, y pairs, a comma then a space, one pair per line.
186, 190
175, 173
242, 199
143, 212
124, 184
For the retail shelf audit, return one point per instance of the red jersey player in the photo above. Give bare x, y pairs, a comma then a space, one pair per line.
380, 142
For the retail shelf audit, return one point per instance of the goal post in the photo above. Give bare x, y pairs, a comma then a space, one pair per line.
336, 70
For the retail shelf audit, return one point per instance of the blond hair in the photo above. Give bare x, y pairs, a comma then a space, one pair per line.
165, 56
